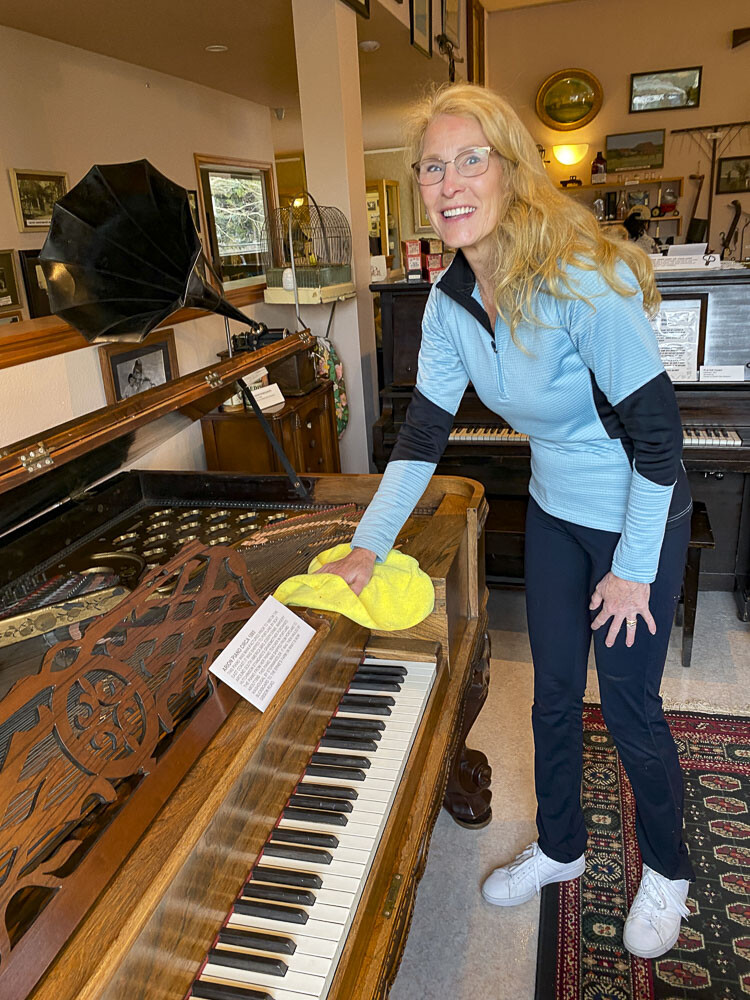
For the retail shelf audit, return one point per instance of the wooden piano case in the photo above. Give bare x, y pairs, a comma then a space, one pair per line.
137, 791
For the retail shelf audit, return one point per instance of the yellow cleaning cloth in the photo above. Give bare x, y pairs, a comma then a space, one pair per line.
398, 595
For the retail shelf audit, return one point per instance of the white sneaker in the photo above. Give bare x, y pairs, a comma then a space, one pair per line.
653, 924
523, 878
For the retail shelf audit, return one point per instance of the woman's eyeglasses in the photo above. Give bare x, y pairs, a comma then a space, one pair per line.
469, 163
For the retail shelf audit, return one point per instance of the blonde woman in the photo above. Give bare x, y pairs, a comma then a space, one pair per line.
547, 319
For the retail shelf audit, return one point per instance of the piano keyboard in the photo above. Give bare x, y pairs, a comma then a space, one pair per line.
692, 437
285, 933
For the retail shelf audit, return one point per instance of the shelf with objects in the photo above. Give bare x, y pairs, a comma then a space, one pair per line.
384, 222
615, 198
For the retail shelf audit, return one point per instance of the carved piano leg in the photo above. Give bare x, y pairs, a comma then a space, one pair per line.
467, 794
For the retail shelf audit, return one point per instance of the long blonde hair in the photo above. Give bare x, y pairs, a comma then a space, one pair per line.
541, 229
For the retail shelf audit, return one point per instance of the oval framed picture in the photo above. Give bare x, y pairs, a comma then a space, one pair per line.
569, 99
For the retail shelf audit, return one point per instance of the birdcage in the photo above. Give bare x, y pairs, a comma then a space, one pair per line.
314, 242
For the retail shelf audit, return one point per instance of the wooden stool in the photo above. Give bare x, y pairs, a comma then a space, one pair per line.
701, 537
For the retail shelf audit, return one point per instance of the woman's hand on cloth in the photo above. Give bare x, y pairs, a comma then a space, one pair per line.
355, 569
622, 601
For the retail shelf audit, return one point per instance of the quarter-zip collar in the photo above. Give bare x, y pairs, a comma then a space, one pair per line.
458, 283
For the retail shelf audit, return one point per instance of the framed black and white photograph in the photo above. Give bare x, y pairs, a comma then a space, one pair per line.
733, 175
9, 295
451, 10
420, 26
128, 369
635, 150
665, 89
361, 6
34, 194
34, 283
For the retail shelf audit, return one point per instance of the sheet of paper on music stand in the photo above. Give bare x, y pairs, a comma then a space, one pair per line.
258, 660
687, 250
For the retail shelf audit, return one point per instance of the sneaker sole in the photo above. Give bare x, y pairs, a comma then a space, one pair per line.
517, 900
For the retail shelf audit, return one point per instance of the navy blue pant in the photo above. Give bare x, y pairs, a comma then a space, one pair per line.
564, 562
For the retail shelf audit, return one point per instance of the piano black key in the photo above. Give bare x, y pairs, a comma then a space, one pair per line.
217, 991
339, 760
367, 699
264, 873
308, 837
373, 683
362, 743
334, 773
251, 908
241, 938
357, 734
382, 668
318, 802
383, 675
278, 894
364, 724
314, 816
248, 963
329, 791
356, 706
293, 853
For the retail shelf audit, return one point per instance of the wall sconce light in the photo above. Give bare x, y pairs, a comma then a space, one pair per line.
570, 154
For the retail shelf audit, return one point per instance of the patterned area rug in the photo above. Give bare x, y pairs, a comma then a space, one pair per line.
581, 955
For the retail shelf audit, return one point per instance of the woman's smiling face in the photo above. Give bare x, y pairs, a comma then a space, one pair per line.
464, 211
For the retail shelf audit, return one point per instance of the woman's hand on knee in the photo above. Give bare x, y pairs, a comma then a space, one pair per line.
622, 601
355, 569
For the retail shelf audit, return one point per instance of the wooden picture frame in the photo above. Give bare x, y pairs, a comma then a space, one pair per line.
665, 90
362, 7
635, 150
451, 18
10, 297
726, 181
35, 284
15, 316
569, 99
129, 369
420, 26
34, 194
422, 222
475, 41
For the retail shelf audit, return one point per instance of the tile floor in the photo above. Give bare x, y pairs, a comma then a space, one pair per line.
460, 948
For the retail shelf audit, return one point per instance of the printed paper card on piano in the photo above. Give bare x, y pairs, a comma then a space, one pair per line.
260, 657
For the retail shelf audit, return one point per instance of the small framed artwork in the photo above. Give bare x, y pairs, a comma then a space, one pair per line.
361, 6
569, 99
9, 296
452, 21
665, 89
34, 194
635, 150
422, 222
11, 317
128, 369
733, 175
194, 211
420, 26
35, 284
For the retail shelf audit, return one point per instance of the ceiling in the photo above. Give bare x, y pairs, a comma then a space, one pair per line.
171, 36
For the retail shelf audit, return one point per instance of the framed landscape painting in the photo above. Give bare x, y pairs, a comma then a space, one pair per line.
635, 150
34, 195
665, 89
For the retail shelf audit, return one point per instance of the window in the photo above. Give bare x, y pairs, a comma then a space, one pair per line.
237, 198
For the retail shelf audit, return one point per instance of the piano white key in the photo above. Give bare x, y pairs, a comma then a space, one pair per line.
364, 789
306, 946
330, 913
297, 983
277, 992
378, 757
313, 928
734, 438
313, 965
348, 868
414, 668
361, 829
355, 842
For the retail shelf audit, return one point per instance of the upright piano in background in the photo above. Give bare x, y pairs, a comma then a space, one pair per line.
138, 794
715, 417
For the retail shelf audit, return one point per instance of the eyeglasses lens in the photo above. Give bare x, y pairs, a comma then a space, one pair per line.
470, 163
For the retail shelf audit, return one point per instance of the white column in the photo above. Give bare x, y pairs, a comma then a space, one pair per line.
325, 36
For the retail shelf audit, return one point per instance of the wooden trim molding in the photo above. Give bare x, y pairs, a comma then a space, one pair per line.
34, 339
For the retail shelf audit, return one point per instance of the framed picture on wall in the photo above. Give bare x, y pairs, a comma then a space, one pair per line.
128, 369
9, 295
665, 89
420, 26
421, 219
635, 150
34, 283
733, 175
11, 317
34, 194
452, 21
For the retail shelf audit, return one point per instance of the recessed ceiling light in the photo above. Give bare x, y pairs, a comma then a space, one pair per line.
369, 46
217, 48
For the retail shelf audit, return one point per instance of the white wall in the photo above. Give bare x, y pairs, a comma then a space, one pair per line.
66, 109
